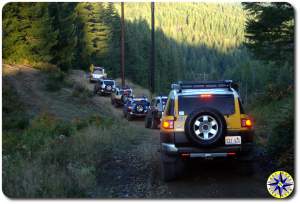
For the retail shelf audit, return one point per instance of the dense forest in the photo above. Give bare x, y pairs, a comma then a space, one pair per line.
252, 44
193, 40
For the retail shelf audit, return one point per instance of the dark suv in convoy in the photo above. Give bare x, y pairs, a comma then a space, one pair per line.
204, 120
120, 96
136, 107
104, 86
157, 106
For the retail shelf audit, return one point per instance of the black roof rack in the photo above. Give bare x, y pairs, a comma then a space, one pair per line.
180, 85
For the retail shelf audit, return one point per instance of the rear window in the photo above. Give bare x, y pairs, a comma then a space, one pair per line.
222, 103
109, 83
98, 72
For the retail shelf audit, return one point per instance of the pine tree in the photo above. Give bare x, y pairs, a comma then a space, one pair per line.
27, 32
95, 34
64, 24
270, 31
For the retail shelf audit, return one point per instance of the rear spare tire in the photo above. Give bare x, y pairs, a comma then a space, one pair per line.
205, 127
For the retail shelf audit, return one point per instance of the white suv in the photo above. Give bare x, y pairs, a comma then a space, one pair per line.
97, 74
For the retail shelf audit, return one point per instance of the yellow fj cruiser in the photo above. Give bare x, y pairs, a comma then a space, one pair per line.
203, 120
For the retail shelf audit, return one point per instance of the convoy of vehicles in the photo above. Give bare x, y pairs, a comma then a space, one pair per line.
202, 120
136, 107
152, 119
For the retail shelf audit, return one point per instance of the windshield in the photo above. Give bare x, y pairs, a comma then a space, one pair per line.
222, 103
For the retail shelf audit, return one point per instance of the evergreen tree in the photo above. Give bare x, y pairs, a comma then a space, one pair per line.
270, 31
95, 34
27, 32
64, 24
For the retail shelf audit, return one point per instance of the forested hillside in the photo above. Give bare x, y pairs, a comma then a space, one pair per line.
191, 38
194, 41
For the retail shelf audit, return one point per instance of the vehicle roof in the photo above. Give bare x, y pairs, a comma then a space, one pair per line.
107, 80
140, 99
212, 91
164, 97
123, 88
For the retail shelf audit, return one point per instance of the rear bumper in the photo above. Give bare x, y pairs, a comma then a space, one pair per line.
138, 114
105, 91
95, 79
194, 152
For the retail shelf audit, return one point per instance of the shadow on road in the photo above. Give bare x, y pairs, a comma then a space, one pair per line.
218, 179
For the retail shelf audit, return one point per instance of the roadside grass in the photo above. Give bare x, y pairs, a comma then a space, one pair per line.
55, 80
50, 156
14, 119
274, 129
81, 92
56, 159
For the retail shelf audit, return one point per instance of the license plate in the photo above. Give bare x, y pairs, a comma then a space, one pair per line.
233, 140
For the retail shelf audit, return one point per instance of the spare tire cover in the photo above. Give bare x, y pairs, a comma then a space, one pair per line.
205, 127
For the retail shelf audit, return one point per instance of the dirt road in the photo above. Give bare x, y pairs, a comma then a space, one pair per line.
136, 173
202, 179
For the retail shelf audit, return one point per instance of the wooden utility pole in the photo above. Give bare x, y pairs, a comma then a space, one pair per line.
122, 50
152, 57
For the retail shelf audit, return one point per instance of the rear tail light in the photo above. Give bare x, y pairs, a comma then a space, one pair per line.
205, 96
168, 124
231, 153
185, 155
246, 122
